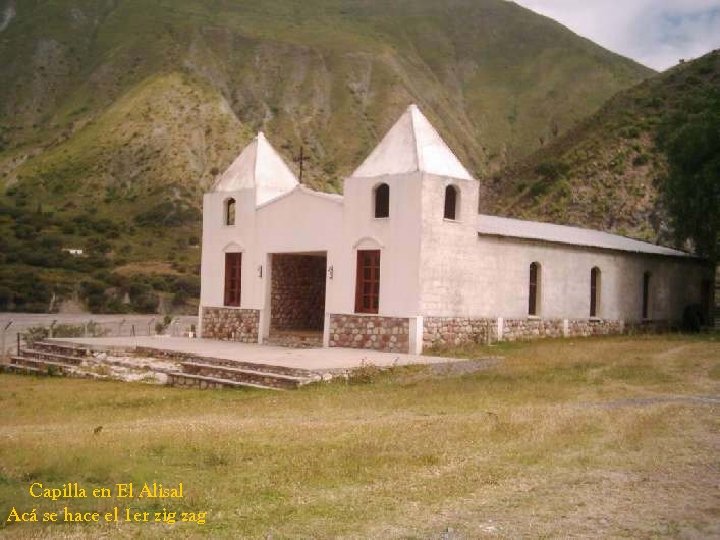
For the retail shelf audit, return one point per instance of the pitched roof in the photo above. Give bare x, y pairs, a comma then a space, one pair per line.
412, 144
576, 236
258, 165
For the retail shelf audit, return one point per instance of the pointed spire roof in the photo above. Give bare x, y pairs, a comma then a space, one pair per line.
412, 144
260, 166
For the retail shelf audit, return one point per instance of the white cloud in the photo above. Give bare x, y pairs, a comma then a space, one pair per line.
657, 33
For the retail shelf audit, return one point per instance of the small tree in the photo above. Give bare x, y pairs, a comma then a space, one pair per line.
692, 188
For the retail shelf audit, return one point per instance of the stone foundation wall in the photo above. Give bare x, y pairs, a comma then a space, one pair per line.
454, 331
231, 324
593, 327
298, 292
388, 334
521, 329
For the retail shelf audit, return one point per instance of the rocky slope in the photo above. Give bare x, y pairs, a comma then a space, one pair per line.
116, 115
608, 172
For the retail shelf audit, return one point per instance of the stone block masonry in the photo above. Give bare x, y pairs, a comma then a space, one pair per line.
231, 324
523, 329
594, 327
298, 292
454, 331
387, 334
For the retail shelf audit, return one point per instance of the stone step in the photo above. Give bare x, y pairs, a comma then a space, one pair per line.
294, 343
61, 348
44, 366
298, 339
187, 380
17, 368
51, 357
259, 376
265, 368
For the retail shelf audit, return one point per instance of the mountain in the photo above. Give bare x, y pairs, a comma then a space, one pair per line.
116, 115
608, 172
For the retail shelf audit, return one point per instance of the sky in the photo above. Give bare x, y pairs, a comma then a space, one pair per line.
657, 33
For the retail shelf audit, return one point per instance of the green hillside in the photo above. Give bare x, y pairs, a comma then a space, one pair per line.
116, 115
609, 172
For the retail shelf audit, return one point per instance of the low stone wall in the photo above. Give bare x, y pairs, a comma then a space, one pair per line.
231, 324
443, 331
388, 334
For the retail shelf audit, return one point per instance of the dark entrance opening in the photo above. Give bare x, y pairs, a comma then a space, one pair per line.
297, 298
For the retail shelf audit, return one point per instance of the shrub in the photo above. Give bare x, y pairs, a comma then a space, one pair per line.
365, 373
552, 170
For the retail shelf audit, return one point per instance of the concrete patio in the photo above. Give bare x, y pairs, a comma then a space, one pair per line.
319, 359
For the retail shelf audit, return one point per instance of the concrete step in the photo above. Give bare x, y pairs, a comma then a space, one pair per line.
43, 366
50, 356
258, 376
61, 348
187, 380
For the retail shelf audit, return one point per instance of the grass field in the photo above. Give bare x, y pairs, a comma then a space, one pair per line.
615, 437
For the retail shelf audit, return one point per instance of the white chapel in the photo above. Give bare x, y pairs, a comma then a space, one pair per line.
402, 260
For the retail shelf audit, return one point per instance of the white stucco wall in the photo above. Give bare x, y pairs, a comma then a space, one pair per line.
397, 237
449, 258
496, 271
298, 222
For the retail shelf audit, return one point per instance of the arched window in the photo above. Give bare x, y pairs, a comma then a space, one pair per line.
451, 202
230, 212
534, 294
382, 201
594, 291
646, 296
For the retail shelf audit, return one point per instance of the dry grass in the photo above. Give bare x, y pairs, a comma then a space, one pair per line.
551, 443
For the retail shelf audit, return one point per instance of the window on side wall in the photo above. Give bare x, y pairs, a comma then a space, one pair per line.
646, 296
233, 282
382, 201
594, 291
534, 290
367, 281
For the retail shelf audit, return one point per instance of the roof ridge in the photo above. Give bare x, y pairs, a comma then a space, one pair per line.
260, 135
413, 130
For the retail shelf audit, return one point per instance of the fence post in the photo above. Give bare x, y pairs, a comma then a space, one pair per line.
133, 330
52, 328
18, 344
120, 325
86, 329
150, 326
